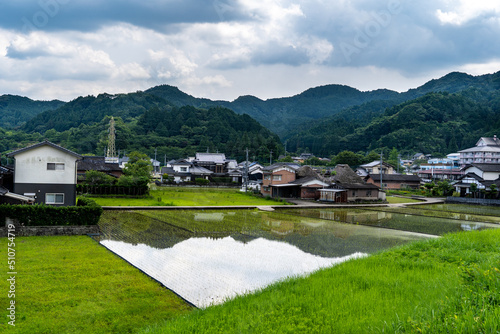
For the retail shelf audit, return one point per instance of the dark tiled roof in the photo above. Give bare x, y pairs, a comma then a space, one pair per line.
5, 170
358, 186
98, 164
486, 167
291, 165
395, 178
472, 176
46, 142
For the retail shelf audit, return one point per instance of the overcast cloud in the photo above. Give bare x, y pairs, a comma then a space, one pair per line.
222, 49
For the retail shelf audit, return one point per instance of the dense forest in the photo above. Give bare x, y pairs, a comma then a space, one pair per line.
170, 132
441, 116
435, 123
17, 110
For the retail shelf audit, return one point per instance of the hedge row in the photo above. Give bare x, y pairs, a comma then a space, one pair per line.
111, 190
86, 213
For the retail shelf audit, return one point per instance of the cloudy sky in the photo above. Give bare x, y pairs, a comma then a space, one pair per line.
222, 49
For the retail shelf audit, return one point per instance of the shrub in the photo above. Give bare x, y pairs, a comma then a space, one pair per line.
85, 213
201, 181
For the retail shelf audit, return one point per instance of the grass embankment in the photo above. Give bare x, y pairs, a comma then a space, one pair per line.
182, 196
451, 284
73, 285
397, 200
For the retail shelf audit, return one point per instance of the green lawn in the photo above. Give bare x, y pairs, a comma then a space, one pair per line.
396, 200
182, 196
74, 285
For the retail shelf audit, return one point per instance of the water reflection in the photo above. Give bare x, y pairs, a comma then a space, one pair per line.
208, 271
207, 257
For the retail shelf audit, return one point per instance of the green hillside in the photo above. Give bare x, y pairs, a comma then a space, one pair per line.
90, 109
16, 110
173, 132
436, 122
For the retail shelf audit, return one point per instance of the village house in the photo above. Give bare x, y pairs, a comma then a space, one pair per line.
278, 174
375, 167
356, 189
487, 151
7, 196
483, 175
215, 162
394, 181
47, 173
185, 171
99, 164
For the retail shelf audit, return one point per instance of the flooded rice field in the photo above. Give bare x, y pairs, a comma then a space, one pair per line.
207, 257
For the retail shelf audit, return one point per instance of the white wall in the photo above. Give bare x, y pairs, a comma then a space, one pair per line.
31, 166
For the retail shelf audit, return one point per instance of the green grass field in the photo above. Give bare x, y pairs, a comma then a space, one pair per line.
183, 196
74, 285
445, 285
396, 200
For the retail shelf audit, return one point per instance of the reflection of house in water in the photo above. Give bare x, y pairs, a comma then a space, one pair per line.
211, 216
349, 216
279, 227
470, 227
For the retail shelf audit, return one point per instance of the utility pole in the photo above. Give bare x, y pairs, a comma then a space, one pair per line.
270, 157
154, 164
381, 162
246, 172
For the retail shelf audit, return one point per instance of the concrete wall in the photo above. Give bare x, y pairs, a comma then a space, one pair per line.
30, 231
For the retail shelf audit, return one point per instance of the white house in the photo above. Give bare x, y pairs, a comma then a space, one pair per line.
487, 150
483, 175
183, 170
46, 172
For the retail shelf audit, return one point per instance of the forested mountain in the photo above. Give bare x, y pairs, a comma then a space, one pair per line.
16, 110
170, 131
453, 111
90, 109
283, 115
436, 122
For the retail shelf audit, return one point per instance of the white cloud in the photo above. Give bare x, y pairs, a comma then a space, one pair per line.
463, 11
260, 47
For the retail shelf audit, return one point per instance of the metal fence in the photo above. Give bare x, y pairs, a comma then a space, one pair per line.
476, 201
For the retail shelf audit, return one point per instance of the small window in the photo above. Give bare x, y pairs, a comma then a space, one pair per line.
267, 177
55, 166
276, 177
184, 169
54, 198
368, 193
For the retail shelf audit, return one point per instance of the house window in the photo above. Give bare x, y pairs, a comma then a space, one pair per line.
54, 198
55, 166
184, 169
267, 177
368, 193
276, 177
354, 193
